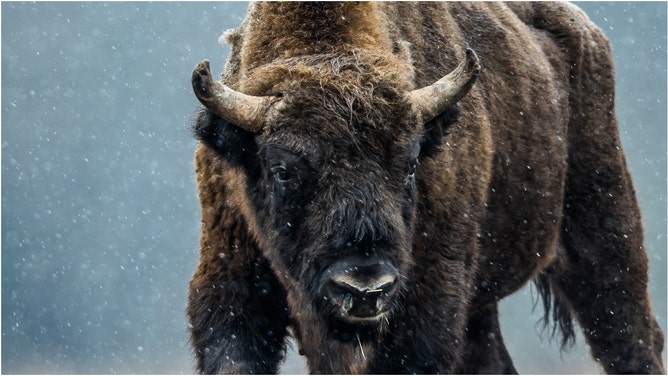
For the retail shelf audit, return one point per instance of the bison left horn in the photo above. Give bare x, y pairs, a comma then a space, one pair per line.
245, 111
432, 100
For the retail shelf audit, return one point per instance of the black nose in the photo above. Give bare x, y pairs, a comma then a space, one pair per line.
362, 293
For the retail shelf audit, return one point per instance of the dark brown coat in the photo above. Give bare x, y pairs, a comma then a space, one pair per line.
523, 180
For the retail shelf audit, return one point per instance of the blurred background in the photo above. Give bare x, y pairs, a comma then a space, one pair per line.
100, 218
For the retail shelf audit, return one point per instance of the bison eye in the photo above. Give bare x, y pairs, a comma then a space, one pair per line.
281, 174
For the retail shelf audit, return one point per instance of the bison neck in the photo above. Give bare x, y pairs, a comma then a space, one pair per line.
278, 30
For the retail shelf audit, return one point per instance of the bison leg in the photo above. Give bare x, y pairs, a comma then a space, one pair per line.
603, 270
485, 351
603, 274
238, 318
237, 308
237, 313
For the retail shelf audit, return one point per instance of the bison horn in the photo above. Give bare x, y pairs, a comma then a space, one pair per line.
245, 111
432, 100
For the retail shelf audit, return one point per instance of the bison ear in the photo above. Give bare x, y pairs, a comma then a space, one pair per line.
436, 130
236, 145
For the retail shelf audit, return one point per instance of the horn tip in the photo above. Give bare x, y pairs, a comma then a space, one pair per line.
203, 66
472, 61
202, 80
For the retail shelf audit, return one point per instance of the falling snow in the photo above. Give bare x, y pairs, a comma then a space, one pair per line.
100, 216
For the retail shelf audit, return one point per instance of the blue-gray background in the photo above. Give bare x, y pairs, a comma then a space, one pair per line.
100, 217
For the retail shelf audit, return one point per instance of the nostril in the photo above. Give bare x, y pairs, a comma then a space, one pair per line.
347, 302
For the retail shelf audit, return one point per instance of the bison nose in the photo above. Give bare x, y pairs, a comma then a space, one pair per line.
361, 298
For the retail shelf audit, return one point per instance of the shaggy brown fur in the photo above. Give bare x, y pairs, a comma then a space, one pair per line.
524, 179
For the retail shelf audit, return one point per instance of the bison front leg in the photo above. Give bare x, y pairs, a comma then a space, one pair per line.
237, 310
238, 316
485, 351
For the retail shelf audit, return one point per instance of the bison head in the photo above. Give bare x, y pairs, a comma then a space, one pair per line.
329, 149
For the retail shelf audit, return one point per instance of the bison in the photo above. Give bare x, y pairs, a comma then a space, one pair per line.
375, 177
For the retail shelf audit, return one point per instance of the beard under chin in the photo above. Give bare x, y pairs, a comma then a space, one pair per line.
333, 345
333, 355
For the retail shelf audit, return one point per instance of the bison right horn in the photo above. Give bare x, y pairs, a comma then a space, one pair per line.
245, 111
432, 100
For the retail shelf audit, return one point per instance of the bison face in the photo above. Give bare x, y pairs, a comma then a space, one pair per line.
339, 221
334, 203
330, 156
335, 213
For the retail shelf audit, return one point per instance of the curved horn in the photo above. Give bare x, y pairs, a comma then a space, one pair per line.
245, 111
432, 100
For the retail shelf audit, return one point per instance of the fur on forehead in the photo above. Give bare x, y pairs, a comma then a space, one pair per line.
350, 95
366, 65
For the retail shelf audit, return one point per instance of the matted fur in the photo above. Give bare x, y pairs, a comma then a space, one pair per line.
523, 180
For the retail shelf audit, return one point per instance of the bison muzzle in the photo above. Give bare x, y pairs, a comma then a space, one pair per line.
360, 290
